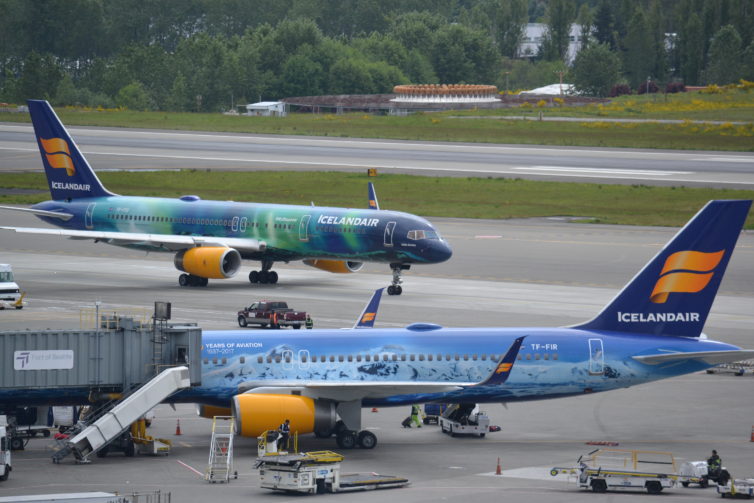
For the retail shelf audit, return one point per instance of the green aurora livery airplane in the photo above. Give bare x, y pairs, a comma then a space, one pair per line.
210, 238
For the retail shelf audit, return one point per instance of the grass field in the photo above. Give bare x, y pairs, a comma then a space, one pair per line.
733, 105
441, 197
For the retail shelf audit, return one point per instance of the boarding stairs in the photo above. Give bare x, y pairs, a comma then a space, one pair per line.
119, 418
220, 465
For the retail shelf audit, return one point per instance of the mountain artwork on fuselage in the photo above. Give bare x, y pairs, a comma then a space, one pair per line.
210, 238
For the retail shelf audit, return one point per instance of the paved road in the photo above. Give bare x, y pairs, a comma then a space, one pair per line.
111, 148
537, 272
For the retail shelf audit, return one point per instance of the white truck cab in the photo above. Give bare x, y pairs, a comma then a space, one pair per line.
10, 294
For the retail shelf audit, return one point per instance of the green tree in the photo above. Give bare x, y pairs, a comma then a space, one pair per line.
560, 16
134, 97
595, 70
691, 50
637, 58
585, 20
302, 77
604, 24
510, 25
39, 77
747, 60
724, 57
350, 76
460, 54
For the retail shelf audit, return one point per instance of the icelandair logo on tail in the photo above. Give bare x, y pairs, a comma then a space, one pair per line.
683, 272
503, 368
368, 317
59, 157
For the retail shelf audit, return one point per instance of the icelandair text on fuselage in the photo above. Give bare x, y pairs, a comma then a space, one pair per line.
655, 317
331, 220
71, 186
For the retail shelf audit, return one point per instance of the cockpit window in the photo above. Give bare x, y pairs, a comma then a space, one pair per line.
424, 234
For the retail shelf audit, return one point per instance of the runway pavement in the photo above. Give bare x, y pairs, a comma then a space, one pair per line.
119, 149
526, 272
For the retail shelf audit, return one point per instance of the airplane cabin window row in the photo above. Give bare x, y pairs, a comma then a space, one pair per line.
304, 358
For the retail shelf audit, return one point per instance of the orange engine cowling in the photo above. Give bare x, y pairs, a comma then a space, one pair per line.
210, 411
214, 262
336, 266
257, 413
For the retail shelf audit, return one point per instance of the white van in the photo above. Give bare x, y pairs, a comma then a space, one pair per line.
10, 294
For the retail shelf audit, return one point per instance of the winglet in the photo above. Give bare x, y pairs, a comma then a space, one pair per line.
373, 203
504, 366
369, 314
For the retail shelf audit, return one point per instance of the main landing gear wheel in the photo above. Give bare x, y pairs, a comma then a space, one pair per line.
367, 439
264, 276
346, 439
191, 280
395, 288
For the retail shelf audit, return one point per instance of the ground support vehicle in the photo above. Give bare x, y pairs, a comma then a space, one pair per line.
5, 458
738, 488
316, 473
261, 313
10, 295
693, 472
433, 411
460, 419
604, 469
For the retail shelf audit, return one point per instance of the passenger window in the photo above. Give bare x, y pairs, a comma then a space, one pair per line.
278, 358
322, 359
269, 359
358, 358
242, 359
350, 358
214, 361
528, 356
403, 357
384, 358
457, 357
412, 358
303, 358
546, 356
368, 358
554, 356
473, 357
447, 357
421, 358
429, 358
536, 356
484, 357
465, 358
206, 361
395, 358
332, 358
314, 358
340, 358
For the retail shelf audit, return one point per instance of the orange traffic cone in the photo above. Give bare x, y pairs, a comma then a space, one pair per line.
178, 427
499, 469
374, 409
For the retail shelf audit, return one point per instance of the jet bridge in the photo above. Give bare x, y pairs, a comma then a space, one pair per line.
138, 364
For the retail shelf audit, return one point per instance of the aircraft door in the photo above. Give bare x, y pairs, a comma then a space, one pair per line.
303, 228
389, 230
596, 357
303, 359
88, 216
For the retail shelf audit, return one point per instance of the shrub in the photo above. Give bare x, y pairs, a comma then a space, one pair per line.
643, 88
675, 87
619, 90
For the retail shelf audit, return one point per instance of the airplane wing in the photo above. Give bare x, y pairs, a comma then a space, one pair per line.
168, 242
343, 391
708, 357
42, 213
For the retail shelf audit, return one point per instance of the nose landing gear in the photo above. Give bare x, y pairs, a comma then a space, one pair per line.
395, 288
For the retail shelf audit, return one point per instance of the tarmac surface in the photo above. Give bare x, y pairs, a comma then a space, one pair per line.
511, 273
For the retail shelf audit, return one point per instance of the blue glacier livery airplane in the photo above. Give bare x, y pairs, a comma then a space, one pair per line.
210, 238
651, 330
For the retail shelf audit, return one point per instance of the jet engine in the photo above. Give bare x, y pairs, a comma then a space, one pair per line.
336, 266
257, 413
210, 411
209, 261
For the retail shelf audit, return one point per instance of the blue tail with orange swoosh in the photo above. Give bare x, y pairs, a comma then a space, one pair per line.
673, 293
68, 174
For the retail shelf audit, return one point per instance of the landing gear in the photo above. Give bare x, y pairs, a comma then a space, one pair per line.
265, 275
395, 288
191, 280
349, 439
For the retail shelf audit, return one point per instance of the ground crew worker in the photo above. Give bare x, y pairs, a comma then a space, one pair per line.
714, 464
309, 322
415, 411
285, 431
274, 320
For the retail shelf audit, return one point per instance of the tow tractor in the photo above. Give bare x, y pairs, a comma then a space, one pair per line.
460, 419
313, 472
604, 469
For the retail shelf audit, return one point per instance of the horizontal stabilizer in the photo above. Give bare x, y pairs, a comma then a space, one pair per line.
42, 213
708, 357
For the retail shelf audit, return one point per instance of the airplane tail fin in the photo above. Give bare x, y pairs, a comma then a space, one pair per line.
68, 174
673, 293
369, 314
373, 203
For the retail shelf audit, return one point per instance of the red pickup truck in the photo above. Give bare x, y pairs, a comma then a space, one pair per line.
261, 313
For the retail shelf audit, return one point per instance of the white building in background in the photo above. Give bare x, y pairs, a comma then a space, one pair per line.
266, 109
534, 36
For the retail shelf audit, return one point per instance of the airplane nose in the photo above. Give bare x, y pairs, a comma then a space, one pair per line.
440, 251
